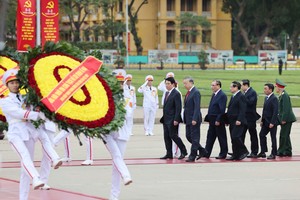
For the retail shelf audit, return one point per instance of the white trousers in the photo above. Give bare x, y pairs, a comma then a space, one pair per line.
120, 171
64, 136
25, 149
149, 119
89, 147
129, 123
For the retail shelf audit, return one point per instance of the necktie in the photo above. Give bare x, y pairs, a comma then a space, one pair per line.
129, 87
18, 97
150, 89
166, 97
186, 96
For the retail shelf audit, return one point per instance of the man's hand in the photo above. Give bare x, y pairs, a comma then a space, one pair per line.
217, 123
283, 122
238, 123
194, 122
271, 125
42, 116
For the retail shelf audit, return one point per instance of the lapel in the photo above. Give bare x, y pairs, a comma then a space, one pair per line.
191, 93
170, 96
233, 99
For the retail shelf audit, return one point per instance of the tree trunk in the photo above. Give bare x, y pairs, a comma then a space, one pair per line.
3, 14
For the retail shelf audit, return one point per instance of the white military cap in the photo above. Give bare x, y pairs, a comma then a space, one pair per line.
149, 78
170, 74
128, 77
10, 75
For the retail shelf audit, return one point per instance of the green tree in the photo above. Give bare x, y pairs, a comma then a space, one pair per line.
292, 26
77, 11
133, 18
110, 26
190, 24
255, 20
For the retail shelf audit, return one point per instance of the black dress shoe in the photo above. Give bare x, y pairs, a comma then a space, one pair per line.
261, 155
244, 155
182, 156
166, 157
220, 157
252, 155
231, 158
230, 154
202, 153
190, 159
271, 157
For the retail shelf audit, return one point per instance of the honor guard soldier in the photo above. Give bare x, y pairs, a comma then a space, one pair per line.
130, 101
116, 144
150, 104
22, 134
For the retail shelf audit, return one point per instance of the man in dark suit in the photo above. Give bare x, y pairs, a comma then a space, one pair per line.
215, 117
236, 118
269, 122
251, 116
192, 118
171, 119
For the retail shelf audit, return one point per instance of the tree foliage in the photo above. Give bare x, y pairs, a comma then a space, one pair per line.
78, 11
256, 19
190, 23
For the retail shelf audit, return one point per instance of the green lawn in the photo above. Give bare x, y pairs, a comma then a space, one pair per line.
203, 79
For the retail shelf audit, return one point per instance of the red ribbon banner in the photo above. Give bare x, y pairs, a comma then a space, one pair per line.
71, 83
26, 23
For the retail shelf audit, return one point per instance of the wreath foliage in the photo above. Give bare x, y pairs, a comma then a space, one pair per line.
33, 95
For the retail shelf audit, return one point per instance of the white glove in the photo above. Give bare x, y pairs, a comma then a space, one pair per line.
42, 116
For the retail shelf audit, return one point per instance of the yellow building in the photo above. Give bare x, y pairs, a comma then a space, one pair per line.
159, 29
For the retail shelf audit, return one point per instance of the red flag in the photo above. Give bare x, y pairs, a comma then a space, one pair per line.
26, 24
49, 21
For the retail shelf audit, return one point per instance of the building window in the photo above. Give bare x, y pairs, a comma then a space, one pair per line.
171, 32
206, 36
120, 6
188, 5
170, 5
170, 36
185, 37
206, 5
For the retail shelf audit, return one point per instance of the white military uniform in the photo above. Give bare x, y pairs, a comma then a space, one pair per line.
115, 143
22, 136
150, 105
130, 103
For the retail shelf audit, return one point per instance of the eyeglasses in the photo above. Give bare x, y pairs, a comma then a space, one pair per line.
213, 85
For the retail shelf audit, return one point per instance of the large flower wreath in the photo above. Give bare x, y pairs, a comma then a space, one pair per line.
94, 110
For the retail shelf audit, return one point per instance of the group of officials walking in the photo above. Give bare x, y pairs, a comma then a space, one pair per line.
241, 117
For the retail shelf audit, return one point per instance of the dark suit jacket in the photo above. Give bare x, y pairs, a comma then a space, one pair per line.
251, 100
237, 109
217, 107
172, 108
192, 107
270, 111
